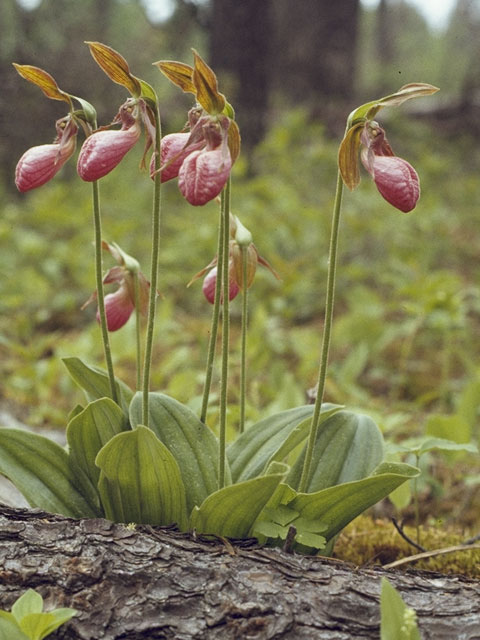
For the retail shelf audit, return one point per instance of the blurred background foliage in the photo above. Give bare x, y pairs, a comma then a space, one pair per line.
405, 340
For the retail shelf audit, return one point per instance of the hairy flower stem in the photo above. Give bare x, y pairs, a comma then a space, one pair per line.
154, 271
327, 328
225, 334
138, 338
215, 316
243, 354
97, 223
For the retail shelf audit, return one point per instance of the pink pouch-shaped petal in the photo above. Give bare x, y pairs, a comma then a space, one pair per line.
39, 164
203, 174
209, 284
397, 181
102, 151
118, 308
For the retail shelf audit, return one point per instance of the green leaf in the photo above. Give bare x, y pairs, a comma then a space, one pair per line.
310, 526
192, 443
60, 616
40, 470
445, 445
28, 602
270, 529
9, 629
271, 439
88, 431
348, 447
36, 625
232, 511
337, 506
398, 622
282, 514
95, 382
310, 539
140, 480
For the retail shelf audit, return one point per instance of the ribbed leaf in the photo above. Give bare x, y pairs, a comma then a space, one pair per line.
140, 480
192, 443
88, 431
95, 382
337, 506
40, 470
349, 446
9, 629
271, 439
232, 511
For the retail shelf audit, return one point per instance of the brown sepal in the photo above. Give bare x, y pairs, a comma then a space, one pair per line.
43, 80
115, 66
178, 73
206, 87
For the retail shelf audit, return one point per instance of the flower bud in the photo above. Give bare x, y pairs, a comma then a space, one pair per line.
209, 284
40, 164
397, 181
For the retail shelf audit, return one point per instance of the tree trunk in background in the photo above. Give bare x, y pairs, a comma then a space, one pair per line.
148, 583
315, 53
240, 40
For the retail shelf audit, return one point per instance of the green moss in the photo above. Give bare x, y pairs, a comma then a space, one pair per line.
368, 541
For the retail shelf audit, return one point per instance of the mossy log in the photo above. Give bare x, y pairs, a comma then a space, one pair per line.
137, 583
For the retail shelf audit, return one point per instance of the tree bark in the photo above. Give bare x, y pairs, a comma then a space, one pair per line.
154, 583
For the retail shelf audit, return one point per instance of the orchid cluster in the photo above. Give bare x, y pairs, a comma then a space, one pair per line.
122, 445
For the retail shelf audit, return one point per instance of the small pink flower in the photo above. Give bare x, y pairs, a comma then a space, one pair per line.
209, 284
40, 164
120, 305
173, 153
103, 150
204, 172
395, 178
118, 308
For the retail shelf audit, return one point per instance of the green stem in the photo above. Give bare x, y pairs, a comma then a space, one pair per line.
329, 303
136, 285
215, 317
225, 335
154, 271
243, 356
100, 292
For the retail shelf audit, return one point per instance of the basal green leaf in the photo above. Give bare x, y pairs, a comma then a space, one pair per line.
40, 470
192, 443
36, 625
271, 439
28, 602
349, 446
60, 616
232, 511
337, 506
88, 431
309, 539
95, 382
9, 629
140, 480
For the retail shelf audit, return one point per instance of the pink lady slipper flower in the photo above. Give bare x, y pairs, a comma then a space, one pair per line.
210, 283
204, 172
40, 164
120, 305
104, 149
395, 178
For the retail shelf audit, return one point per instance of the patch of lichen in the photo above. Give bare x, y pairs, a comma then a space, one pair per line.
369, 541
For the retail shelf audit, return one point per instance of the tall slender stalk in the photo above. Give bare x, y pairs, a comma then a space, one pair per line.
329, 303
225, 335
215, 315
138, 338
97, 223
154, 270
243, 354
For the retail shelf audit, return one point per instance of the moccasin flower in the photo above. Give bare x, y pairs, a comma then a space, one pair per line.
210, 282
204, 172
120, 304
103, 150
40, 164
395, 178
